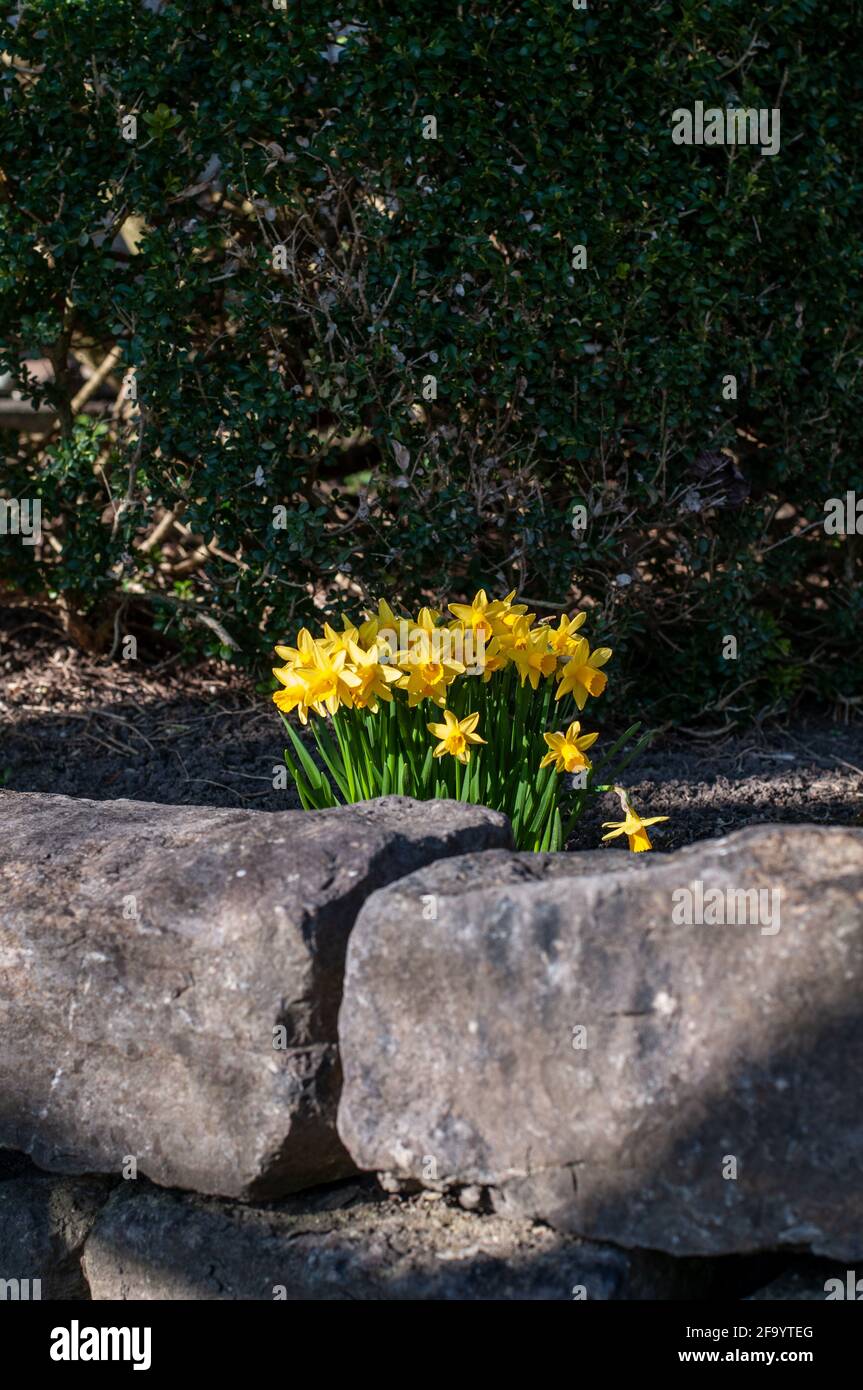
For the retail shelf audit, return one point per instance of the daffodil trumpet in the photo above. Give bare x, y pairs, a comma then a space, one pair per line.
480, 703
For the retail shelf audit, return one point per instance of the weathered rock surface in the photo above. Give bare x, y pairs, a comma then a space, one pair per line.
547, 1028
148, 953
161, 1245
44, 1222
16, 1165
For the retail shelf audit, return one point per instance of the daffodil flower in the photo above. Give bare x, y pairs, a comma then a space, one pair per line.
581, 675
561, 639
303, 654
328, 683
426, 672
456, 735
293, 695
373, 678
504, 614
424, 642
338, 641
532, 659
516, 637
429, 680
384, 620
477, 615
495, 658
633, 826
567, 751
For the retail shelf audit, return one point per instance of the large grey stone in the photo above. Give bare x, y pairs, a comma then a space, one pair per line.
148, 953
44, 1222
160, 1245
705, 1050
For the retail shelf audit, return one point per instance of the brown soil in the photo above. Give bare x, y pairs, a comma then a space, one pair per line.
71, 724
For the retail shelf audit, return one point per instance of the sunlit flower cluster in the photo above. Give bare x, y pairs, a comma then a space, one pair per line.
488, 663
363, 665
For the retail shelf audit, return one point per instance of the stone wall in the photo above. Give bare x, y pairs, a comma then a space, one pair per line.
373, 1053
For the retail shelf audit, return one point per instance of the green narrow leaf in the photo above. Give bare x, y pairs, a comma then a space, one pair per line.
307, 800
426, 779
312, 772
615, 748
333, 759
636, 752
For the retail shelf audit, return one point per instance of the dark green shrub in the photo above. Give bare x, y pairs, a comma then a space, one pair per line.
408, 257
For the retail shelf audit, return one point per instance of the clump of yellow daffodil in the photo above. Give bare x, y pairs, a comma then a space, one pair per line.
487, 665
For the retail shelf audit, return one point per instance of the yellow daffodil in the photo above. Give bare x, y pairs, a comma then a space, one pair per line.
477, 615
293, 696
329, 685
561, 639
531, 655
504, 614
427, 669
385, 616
303, 653
581, 675
429, 617
384, 620
424, 642
633, 826
338, 641
456, 735
567, 751
366, 633
506, 604
429, 680
373, 676
495, 658
517, 636
295, 692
